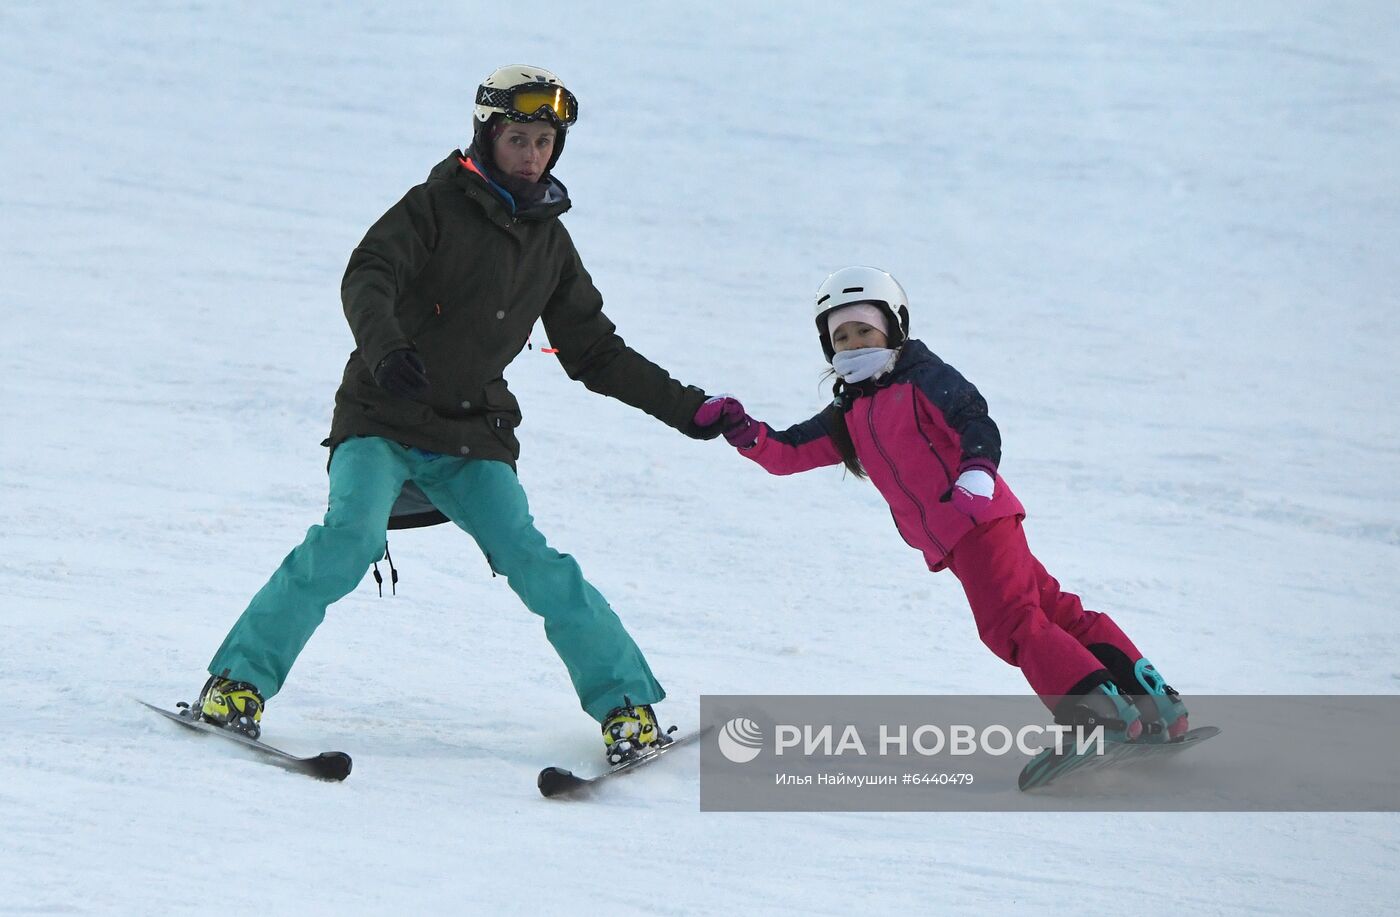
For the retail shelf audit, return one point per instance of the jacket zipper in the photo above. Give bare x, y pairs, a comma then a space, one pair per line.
923, 517
947, 493
914, 403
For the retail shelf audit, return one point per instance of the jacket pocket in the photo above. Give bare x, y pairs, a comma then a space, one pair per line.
393, 411
900, 529
503, 428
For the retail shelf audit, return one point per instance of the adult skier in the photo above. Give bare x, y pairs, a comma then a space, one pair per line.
441, 295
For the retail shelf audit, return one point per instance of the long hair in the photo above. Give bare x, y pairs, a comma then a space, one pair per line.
840, 435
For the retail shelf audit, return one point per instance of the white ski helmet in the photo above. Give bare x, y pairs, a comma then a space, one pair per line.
862, 284
524, 93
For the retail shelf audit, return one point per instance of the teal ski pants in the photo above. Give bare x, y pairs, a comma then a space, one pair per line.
485, 499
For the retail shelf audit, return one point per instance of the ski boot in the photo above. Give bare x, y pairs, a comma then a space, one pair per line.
234, 705
1163, 713
1102, 705
631, 732
1164, 716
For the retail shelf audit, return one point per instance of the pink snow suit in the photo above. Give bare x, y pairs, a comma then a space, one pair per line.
912, 430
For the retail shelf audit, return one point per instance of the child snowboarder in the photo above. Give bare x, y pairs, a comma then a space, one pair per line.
921, 433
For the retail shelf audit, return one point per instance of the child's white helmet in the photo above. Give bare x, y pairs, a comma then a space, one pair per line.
863, 284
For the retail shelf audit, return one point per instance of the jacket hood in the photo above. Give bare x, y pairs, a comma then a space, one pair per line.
911, 353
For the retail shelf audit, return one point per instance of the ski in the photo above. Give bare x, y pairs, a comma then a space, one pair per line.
328, 765
1047, 767
556, 781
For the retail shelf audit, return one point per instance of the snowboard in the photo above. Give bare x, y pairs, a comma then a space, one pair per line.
1047, 767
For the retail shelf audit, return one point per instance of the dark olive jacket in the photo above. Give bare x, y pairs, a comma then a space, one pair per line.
454, 272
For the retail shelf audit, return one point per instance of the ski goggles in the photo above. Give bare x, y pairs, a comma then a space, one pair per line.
532, 102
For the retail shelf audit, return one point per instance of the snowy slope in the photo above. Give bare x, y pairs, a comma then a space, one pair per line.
1160, 238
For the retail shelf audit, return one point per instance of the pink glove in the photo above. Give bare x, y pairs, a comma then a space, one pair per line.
738, 427
977, 482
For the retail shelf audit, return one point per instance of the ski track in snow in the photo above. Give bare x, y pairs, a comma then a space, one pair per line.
1160, 238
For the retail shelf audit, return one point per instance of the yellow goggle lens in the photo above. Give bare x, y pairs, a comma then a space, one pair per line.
530, 101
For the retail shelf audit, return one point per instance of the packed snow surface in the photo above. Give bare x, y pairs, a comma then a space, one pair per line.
1160, 237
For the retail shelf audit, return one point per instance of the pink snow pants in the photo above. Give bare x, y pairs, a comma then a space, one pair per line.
1023, 616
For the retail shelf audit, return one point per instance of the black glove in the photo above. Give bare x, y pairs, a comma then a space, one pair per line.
695, 431
402, 373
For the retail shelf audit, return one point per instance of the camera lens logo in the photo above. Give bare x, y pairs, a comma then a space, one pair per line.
740, 740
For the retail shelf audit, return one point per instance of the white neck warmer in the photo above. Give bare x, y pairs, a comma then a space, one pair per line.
865, 363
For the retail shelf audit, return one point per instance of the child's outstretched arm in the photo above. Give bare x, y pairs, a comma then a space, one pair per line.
803, 447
